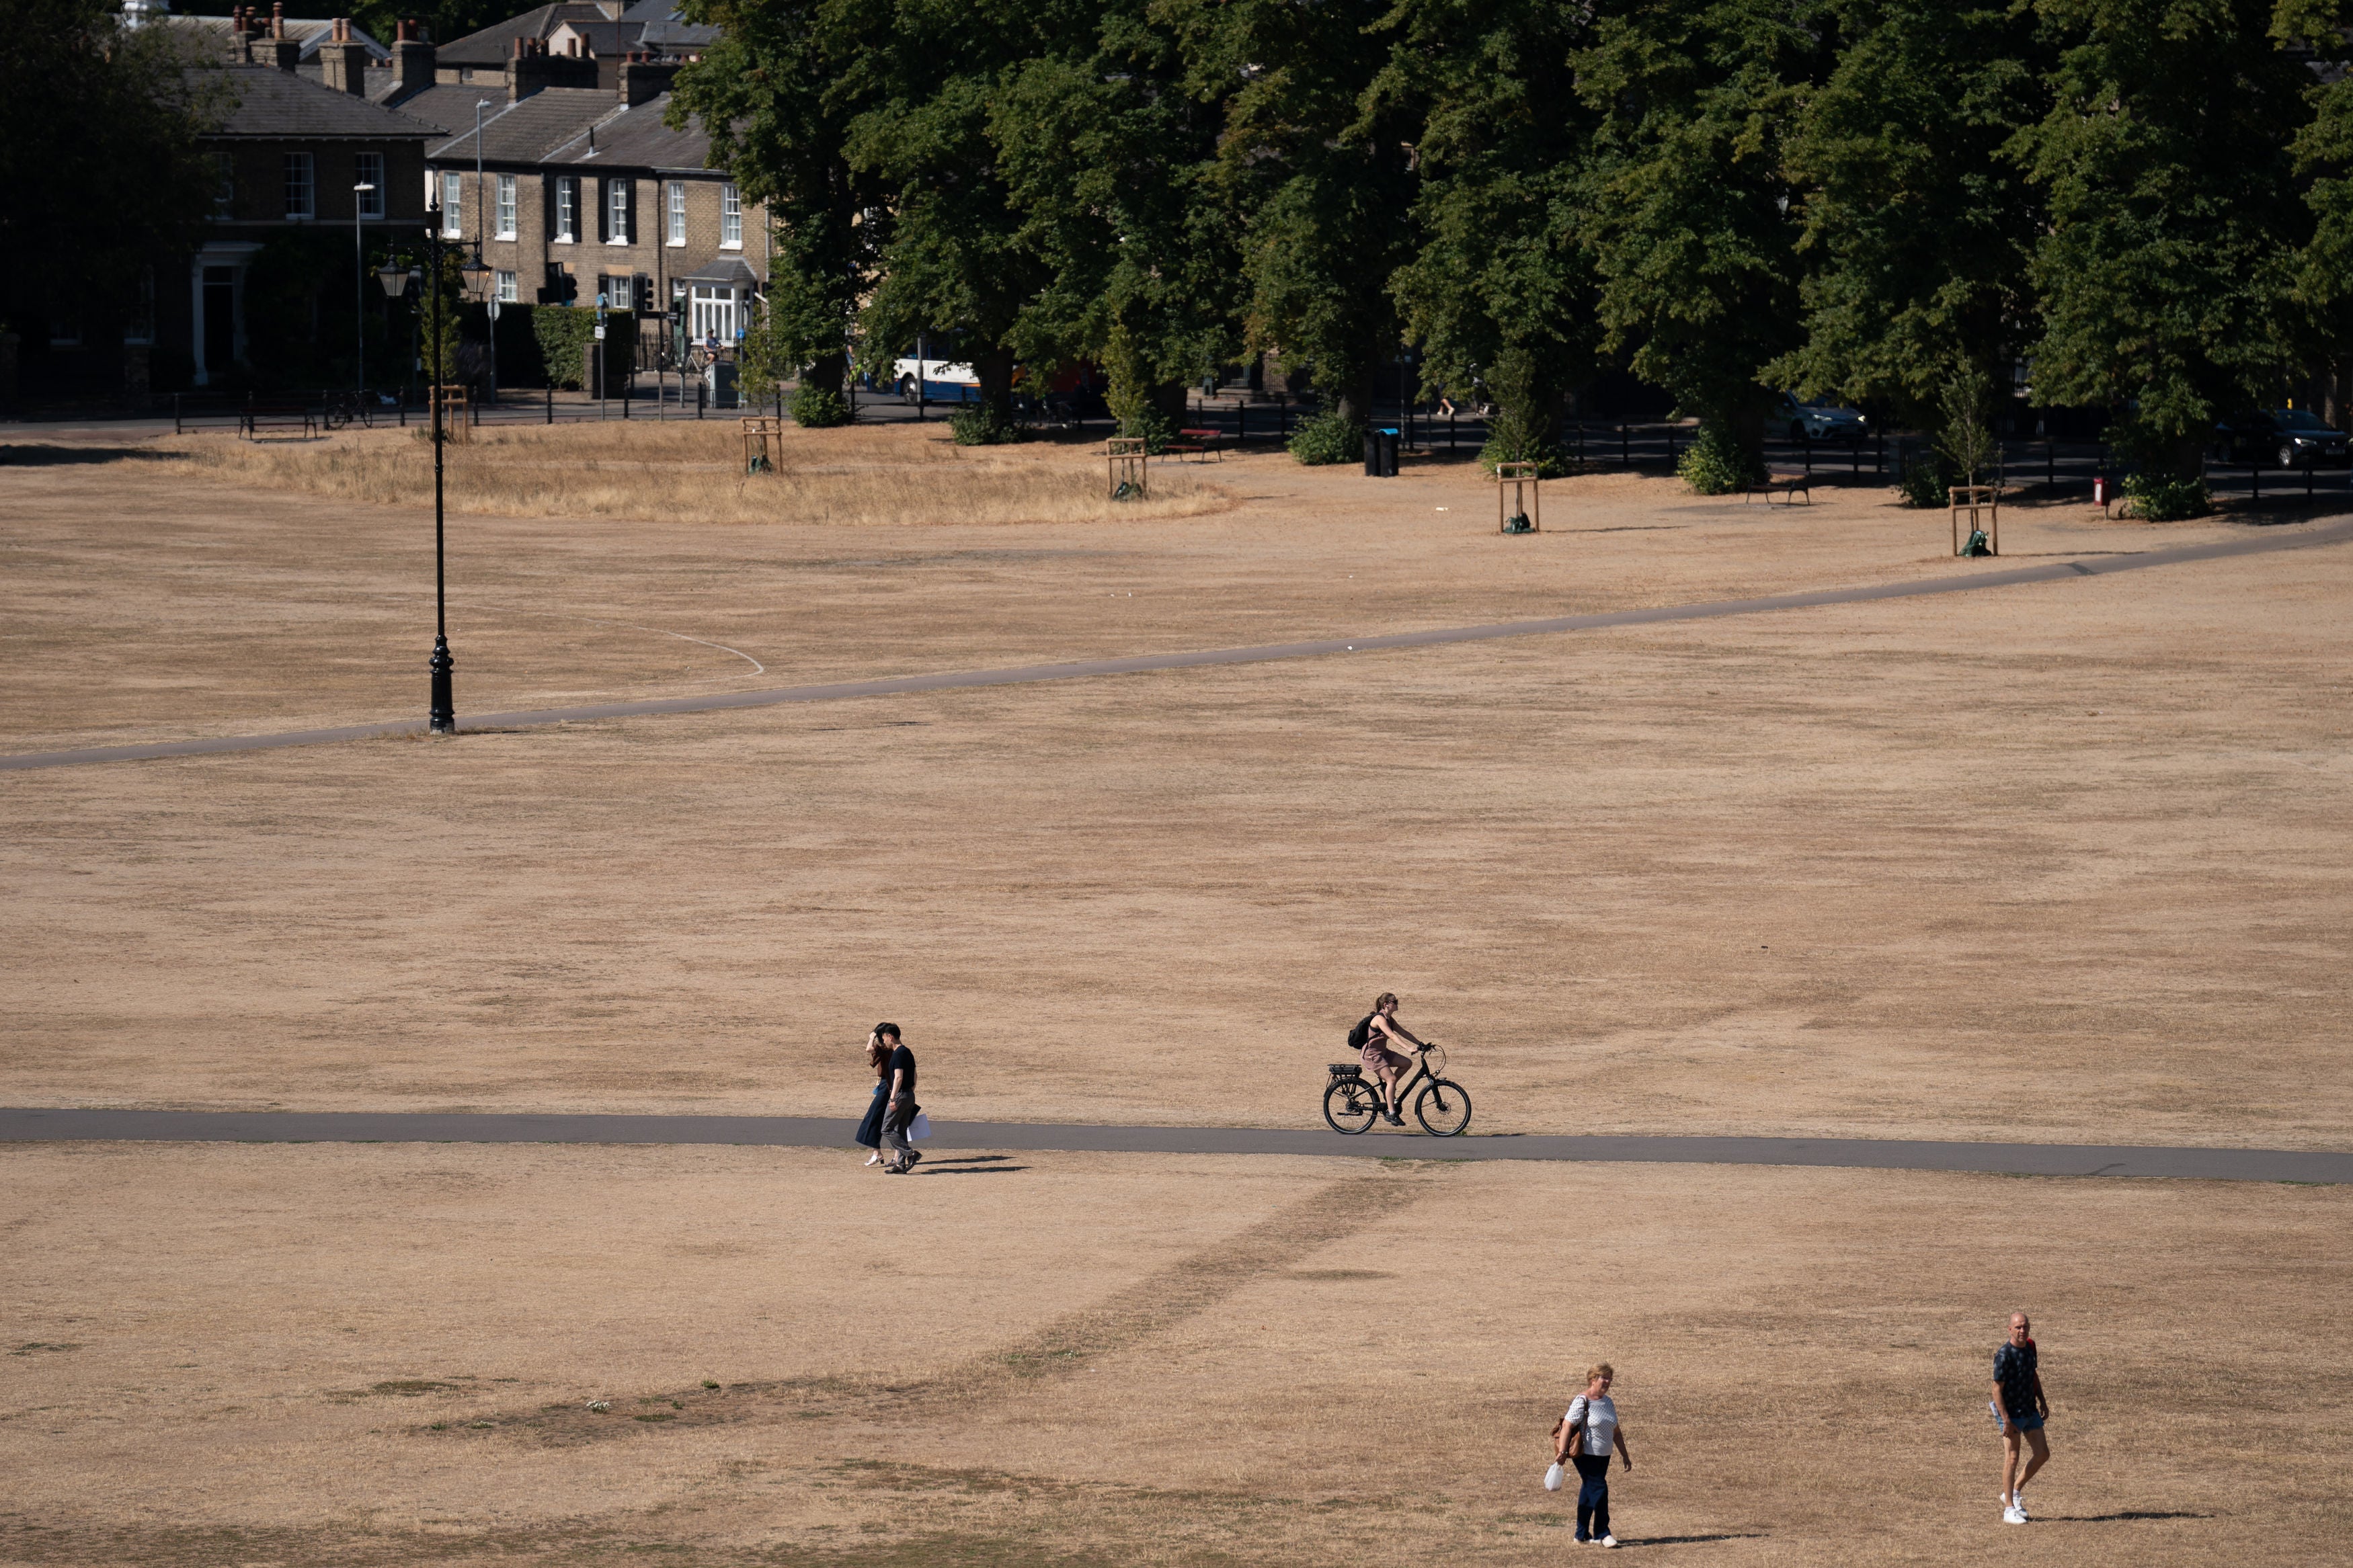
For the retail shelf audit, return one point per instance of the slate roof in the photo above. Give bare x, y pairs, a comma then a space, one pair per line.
494, 45
637, 139
448, 107
528, 131
665, 31
311, 32
282, 106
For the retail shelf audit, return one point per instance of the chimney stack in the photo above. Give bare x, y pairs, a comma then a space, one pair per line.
344, 59
534, 68
644, 79
414, 61
285, 53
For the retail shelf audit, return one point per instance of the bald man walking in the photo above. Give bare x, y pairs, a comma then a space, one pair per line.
2021, 1409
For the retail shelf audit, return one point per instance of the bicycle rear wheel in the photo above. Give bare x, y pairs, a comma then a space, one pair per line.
1443, 1108
1350, 1104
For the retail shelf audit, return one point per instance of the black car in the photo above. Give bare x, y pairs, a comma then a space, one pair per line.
2290, 438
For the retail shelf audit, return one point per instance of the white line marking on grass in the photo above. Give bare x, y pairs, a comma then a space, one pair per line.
757, 667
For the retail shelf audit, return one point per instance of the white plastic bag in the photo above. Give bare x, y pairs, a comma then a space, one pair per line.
921, 1127
1552, 1478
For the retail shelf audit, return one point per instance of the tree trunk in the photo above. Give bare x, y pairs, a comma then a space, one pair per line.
994, 370
828, 374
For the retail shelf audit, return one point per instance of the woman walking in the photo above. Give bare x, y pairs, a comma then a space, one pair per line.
1586, 1435
869, 1131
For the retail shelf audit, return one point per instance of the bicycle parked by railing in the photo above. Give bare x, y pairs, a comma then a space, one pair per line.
344, 407
1352, 1102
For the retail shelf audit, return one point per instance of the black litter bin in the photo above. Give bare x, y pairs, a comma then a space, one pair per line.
1381, 453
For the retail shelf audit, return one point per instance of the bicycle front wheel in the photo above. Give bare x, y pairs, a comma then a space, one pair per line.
1350, 1104
1443, 1108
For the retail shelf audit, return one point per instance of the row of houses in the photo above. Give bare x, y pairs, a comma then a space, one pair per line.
539, 144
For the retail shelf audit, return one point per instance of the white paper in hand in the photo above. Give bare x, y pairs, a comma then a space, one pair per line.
921, 1128
1552, 1479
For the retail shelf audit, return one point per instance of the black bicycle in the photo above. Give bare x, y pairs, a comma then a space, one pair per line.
1352, 1102
342, 408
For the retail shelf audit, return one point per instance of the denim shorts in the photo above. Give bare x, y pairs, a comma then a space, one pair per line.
2027, 1423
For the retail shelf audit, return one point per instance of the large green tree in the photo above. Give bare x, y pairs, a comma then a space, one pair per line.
2324, 153
98, 159
1918, 227
1688, 197
1110, 160
773, 95
1317, 173
2168, 277
959, 261
1499, 293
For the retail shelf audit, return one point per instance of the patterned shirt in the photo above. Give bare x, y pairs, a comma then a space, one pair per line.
2014, 1370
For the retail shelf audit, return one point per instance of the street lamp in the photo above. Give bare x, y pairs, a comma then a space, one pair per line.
359, 287
441, 716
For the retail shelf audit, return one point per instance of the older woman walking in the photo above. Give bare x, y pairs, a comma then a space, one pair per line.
1588, 1434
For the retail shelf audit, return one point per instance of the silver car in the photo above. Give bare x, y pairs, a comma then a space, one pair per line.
1820, 420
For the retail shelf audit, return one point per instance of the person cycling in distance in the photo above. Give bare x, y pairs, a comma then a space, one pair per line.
1372, 1039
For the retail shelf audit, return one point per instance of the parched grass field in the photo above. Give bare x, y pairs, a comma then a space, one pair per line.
387, 1354
2068, 861
695, 473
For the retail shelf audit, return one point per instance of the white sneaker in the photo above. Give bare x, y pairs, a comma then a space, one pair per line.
2018, 1501
2013, 1514
1606, 1540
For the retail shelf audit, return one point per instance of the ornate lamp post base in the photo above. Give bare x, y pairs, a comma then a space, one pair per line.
443, 716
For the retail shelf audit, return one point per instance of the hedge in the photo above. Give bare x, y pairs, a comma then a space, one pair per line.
543, 345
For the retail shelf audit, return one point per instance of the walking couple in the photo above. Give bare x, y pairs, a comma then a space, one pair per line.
892, 1114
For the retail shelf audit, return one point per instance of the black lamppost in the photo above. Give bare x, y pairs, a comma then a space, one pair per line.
442, 715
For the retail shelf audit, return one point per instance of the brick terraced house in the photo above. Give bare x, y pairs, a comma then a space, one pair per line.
578, 190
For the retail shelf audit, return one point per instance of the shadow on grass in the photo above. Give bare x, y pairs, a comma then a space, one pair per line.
2125, 1516
1690, 1539
48, 456
931, 1170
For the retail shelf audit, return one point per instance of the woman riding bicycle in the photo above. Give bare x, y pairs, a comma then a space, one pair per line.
1372, 1039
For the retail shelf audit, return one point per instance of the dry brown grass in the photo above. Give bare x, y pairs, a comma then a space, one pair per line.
359, 1355
692, 473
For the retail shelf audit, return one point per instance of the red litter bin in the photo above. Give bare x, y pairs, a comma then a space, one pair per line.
2100, 491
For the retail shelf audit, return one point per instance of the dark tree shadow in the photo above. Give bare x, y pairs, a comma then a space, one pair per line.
46, 456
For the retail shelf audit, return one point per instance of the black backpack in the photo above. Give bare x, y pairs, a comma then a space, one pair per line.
1361, 1033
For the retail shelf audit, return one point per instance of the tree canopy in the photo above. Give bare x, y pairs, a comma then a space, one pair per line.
2144, 207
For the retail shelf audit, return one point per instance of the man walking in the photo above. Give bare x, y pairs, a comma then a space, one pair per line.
899, 1107
2021, 1409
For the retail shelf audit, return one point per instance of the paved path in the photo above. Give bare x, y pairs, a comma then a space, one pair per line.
1992, 577
1870, 1153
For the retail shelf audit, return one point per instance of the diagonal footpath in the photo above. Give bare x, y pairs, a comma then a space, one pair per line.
2319, 1167
1020, 675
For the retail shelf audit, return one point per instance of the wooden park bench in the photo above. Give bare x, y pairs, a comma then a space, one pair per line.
1199, 443
1786, 486
256, 416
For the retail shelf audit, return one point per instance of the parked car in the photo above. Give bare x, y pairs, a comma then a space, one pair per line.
2290, 438
1820, 420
